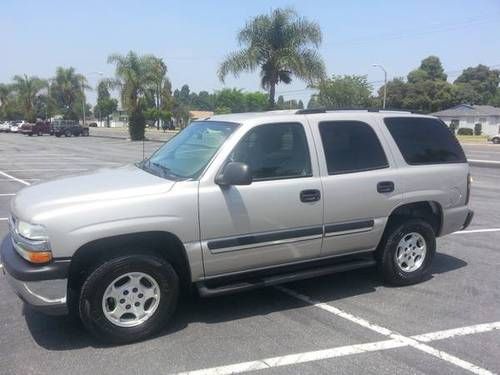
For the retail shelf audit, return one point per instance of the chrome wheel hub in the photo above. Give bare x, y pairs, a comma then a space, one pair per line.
411, 251
131, 299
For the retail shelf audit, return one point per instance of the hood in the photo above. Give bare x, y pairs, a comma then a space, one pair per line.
108, 184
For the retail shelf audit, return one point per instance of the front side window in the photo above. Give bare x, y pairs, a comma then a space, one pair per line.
351, 146
186, 155
275, 151
424, 140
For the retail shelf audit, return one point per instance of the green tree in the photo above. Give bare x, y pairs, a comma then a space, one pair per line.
27, 89
349, 91
233, 99
256, 101
313, 102
105, 105
133, 78
66, 90
483, 80
157, 71
282, 45
396, 93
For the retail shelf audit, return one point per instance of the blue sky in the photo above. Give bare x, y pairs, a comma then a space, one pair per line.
194, 36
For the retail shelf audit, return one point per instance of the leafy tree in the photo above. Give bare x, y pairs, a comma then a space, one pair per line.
133, 78
465, 93
396, 92
301, 104
27, 89
282, 45
233, 99
9, 108
106, 105
483, 80
344, 92
256, 101
313, 102
66, 90
478, 129
157, 71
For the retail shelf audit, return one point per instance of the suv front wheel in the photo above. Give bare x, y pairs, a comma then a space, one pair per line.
406, 252
129, 298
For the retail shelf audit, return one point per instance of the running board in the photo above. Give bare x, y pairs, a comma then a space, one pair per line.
229, 288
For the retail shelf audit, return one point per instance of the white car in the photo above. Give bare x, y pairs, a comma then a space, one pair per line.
4, 127
15, 125
495, 139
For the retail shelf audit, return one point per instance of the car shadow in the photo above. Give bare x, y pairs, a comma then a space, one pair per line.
67, 333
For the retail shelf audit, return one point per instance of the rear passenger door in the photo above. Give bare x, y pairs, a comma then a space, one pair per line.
360, 183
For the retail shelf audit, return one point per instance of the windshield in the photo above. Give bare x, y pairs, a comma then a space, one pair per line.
187, 154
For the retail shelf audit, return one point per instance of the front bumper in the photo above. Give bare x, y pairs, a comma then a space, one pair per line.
44, 288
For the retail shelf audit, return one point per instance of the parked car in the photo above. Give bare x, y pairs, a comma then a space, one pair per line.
236, 202
69, 128
15, 125
38, 128
4, 127
495, 139
93, 125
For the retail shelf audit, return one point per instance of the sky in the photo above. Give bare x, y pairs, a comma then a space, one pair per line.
193, 37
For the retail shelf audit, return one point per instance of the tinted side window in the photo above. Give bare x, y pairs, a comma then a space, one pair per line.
424, 140
275, 151
351, 146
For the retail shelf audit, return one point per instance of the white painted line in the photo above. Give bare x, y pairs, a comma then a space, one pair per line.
48, 170
14, 178
484, 161
318, 355
387, 332
456, 332
4, 219
7, 194
477, 231
10, 180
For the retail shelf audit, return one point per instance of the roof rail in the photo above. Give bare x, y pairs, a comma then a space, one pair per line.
307, 111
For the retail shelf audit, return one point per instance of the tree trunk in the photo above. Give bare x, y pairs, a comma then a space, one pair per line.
272, 94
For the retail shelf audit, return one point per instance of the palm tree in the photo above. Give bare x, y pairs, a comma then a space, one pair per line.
27, 89
67, 91
5, 96
157, 75
282, 45
133, 78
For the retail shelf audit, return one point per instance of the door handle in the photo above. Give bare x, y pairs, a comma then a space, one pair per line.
385, 187
310, 195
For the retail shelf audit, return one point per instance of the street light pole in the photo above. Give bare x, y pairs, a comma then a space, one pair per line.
83, 92
385, 82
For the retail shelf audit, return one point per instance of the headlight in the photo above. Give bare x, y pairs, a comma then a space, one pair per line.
35, 232
31, 241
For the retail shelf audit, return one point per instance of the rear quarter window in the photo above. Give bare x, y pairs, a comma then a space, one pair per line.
424, 140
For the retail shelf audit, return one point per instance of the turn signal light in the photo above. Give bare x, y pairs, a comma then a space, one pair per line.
39, 256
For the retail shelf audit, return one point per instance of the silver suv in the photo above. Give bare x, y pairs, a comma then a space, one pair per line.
236, 202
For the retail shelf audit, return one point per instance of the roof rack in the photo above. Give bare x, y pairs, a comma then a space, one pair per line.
324, 110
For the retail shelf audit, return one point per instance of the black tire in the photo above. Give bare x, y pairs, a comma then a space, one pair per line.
39, 134
57, 135
90, 301
67, 133
496, 141
30, 134
387, 265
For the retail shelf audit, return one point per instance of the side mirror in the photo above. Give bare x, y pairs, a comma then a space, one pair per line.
234, 173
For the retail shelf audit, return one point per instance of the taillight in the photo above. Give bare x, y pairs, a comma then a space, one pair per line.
469, 181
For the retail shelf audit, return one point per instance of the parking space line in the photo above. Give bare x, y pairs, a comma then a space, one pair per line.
387, 332
484, 161
48, 170
477, 231
7, 194
4, 219
318, 355
15, 178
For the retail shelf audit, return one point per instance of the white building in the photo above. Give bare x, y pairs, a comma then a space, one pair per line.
466, 116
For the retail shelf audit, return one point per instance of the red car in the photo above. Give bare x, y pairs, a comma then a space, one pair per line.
39, 128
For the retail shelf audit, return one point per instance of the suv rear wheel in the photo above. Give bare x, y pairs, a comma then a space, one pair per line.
129, 298
406, 252
67, 133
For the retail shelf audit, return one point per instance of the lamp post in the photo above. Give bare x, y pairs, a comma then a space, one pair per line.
385, 82
83, 92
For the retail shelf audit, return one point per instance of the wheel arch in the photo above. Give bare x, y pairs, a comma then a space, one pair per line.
160, 243
431, 211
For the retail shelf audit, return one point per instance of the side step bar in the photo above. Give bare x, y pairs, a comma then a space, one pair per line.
206, 291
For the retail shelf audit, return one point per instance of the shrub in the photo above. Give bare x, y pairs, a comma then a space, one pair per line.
137, 122
478, 129
465, 131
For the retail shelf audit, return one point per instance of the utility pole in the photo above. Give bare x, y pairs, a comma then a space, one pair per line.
385, 82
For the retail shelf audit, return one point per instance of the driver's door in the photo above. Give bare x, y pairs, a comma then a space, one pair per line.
276, 219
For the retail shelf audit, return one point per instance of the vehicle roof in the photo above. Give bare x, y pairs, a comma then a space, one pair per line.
289, 115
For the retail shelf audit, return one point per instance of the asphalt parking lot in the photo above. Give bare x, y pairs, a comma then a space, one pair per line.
343, 323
